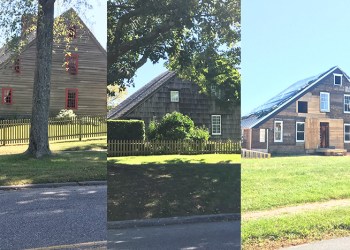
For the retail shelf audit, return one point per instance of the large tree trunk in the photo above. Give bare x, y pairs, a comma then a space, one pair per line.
39, 142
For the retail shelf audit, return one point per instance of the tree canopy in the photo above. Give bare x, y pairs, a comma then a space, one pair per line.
199, 39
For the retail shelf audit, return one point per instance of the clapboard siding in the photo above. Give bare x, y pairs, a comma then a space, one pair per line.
90, 80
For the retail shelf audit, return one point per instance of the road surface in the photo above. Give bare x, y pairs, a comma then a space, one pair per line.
211, 235
47, 217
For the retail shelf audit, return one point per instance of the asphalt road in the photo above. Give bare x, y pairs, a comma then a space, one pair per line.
46, 217
211, 235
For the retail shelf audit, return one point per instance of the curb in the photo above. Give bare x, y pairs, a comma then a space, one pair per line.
173, 221
54, 185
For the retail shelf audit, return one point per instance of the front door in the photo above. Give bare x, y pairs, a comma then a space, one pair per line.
324, 135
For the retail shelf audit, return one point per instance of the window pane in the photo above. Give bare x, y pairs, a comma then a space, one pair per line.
300, 136
337, 80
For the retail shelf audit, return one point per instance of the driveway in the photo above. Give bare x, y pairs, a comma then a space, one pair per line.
45, 217
210, 235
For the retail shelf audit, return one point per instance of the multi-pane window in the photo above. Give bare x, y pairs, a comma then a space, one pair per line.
17, 65
7, 95
72, 63
71, 98
278, 131
72, 31
338, 79
174, 96
324, 102
216, 124
300, 131
347, 133
346, 103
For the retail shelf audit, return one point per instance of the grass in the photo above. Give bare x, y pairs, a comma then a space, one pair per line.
285, 181
167, 159
288, 181
276, 232
166, 189
63, 166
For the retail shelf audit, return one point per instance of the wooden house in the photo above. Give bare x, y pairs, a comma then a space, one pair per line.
310, 116
78, 80
167, 93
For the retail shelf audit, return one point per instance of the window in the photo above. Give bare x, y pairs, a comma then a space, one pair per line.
338, 79
7, 96
262, 135
17, 65
302, 107
324, 102
278, 131
72, 31
72, 63
216, 124
347, 133
174, 96
346, 103
71, 98
300, 131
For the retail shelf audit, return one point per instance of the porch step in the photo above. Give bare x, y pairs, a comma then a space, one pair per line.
332, 151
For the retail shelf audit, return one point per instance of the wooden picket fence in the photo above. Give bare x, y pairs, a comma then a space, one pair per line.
139, 147
245, 153
17, 131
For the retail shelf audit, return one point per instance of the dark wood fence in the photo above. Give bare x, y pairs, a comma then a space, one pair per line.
17, 131
133, 147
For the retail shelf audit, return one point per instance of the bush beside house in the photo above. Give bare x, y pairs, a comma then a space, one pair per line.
125, 130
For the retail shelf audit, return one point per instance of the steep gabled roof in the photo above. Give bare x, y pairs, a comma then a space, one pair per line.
140, 95
284, 98
5, 53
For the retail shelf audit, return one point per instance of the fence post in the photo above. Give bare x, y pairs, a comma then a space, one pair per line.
80, 135
4, 133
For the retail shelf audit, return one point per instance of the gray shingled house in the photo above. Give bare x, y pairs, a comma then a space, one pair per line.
310, 116
167, 93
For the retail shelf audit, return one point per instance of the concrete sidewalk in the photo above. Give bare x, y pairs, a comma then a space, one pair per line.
336, 244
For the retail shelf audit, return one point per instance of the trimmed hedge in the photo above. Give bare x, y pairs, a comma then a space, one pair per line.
125, 130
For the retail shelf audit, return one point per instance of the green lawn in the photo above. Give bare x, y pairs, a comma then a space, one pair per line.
162, 159
170, 187
284, 181
288, 181
63, 166
286, 230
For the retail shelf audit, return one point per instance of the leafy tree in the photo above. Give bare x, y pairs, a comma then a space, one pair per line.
176, 126
41, 22
198, 38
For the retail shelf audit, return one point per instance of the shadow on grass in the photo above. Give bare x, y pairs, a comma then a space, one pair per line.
20, 169
173, 189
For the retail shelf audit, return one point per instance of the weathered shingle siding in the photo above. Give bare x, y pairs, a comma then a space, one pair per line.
198, 106
290, 116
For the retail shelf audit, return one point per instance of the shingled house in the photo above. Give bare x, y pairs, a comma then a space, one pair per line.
78, 80
167, 93
310, 116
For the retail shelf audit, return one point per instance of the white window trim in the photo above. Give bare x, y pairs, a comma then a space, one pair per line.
329, 102
296, 131
212, 127
344, 104
341, 79
346, 124
171, 96
274, 132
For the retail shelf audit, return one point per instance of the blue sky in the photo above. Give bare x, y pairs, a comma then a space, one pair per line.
283, 42
286, 41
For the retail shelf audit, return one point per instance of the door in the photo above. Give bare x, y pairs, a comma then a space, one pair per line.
324, 135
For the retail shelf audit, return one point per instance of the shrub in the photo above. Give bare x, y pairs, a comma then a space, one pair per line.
125, 130
176, 126
66, 114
